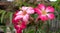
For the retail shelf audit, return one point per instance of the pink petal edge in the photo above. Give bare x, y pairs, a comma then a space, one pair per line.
51, 16
43, 17
49, 9
41, 6
38, 11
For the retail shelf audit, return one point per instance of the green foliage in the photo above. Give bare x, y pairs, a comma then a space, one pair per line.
2, 16
6, 17
30, 29
11, 14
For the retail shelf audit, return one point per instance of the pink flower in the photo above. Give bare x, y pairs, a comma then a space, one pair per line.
44, 12
20, 26
21, 18
29, 10
24, 13
19, 31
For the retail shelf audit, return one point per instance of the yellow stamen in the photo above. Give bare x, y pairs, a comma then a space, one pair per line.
44, 12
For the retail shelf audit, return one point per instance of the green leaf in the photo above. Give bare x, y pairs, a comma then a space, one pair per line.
2, 16
34, 16
1, 11
4, 29
31, 31
11, 29
11, 14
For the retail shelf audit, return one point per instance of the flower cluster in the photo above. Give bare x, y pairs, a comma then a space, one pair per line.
21, 18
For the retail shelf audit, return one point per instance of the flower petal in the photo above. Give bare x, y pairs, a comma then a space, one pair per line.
43, 17
18, 17
23, 25
25, 18
30, 10
15, 21
38, 11
24, 8
19, 31
51, 16
17, 27
18, 13
41, 6
49, 9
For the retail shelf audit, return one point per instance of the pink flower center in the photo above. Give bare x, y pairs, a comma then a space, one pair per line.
44, 12
24, 13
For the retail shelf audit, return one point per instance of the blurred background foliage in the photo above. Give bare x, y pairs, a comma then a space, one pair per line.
6, 17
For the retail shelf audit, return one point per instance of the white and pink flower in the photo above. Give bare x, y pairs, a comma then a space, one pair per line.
44, 12
24, 13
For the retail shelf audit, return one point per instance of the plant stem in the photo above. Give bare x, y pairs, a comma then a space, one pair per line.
47, 27
36, 29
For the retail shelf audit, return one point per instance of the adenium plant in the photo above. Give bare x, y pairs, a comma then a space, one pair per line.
45, 13
21, 18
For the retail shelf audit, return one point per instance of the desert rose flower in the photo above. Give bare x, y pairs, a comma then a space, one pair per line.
21, 18
24, 13
20, 26
44, 13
